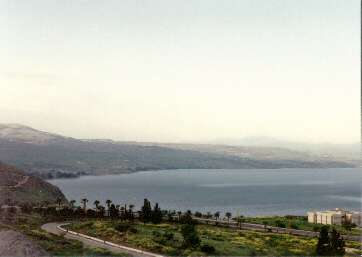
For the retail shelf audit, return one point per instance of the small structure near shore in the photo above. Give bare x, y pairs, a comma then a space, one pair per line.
335, 217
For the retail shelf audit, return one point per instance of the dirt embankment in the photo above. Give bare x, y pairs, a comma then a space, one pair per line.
13, 243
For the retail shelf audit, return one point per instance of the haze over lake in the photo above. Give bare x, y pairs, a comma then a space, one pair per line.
244, 192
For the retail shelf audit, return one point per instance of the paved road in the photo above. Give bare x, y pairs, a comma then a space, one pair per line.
259, 227
53, 228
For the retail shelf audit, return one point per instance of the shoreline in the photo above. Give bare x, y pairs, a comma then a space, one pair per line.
198, 169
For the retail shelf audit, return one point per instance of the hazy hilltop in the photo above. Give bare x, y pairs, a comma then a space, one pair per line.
16, 187
349, 151
21, 133
53, 155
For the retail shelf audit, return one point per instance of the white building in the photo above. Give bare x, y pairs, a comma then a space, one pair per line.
335, 217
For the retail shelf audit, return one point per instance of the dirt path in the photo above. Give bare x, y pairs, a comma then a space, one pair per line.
22, 182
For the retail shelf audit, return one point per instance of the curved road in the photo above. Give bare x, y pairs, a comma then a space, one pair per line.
53, 228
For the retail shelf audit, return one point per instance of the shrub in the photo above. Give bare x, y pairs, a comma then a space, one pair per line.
316, 228
198, 214
207, 248
122, 227
168, 236
133, 230
293, 225
156, 233
280, 223
190, 235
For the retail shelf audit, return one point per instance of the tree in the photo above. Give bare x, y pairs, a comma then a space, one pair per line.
130, 207
146, 211
217, 215
348, 226
228, 216
72, 202
84, 201
198, 214
179, 215
101, 211
190, 235
280, 223
113, 212
265, 223
187, 219
240, 220
323, 245
96, 203
208, 215
337, 243
108, 203
156, 214
59, 201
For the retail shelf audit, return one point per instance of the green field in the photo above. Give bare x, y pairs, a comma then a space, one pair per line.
167, 239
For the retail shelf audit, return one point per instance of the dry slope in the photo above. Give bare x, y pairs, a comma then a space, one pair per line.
17, 188
16, 244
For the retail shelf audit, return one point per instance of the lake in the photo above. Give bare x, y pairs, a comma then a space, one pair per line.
244, 192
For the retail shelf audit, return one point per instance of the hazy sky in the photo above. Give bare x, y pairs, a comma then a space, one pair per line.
182, 70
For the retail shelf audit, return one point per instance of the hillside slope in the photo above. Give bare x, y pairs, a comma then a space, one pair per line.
18, 188
13, 243
51, 155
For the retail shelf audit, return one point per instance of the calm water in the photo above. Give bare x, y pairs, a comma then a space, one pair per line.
247, 192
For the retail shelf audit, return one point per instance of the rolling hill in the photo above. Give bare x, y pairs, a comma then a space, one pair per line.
49, 155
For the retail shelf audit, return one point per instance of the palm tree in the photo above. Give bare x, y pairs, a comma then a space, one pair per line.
101, 211
84, 202
96, 203
208, 215
108, 202
217, 215
179, 215
72, 202
228, 215
240, 220
59, 201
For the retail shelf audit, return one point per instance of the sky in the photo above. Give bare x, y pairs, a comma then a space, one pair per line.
182, 70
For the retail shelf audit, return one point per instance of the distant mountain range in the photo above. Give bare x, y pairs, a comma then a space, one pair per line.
351, 151
50, 155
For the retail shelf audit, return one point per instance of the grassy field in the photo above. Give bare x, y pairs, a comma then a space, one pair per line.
296, 222
167, 239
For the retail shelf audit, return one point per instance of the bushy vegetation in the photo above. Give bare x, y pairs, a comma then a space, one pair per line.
54, 245
171, 232
330, 243
169, 238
